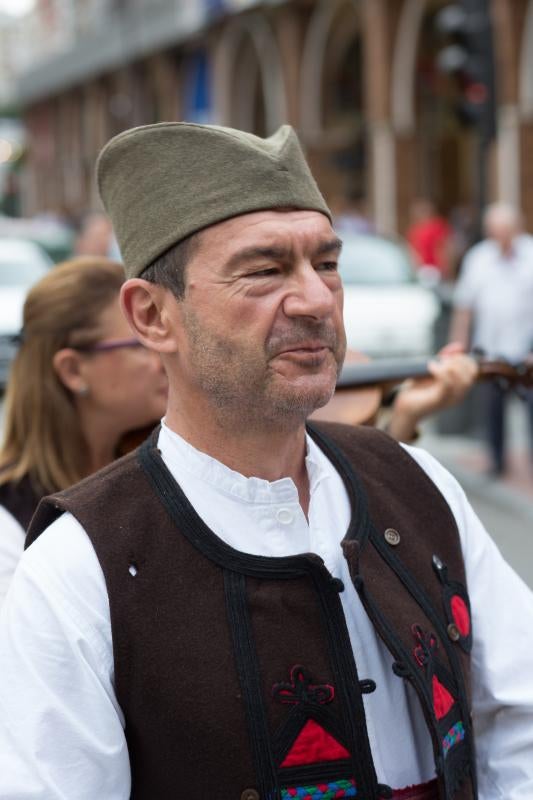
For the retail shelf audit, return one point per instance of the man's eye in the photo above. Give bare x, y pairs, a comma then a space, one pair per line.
328, 266
264, 273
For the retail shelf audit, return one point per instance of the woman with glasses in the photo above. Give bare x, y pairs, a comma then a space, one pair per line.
79, 384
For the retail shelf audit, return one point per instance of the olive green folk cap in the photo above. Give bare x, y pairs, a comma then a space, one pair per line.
161, 183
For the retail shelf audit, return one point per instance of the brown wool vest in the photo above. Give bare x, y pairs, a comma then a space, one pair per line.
235, 672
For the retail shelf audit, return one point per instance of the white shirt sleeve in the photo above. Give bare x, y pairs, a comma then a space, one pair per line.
502, 653
12, 537
61, 729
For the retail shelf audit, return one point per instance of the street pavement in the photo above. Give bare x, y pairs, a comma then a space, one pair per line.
505, 505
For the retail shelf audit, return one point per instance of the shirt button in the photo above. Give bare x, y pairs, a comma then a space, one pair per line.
284, 516
453, 632
250, 794
392, 537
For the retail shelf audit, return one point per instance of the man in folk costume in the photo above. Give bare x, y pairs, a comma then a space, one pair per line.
248, 606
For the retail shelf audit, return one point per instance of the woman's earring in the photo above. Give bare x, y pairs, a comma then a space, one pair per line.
82, 390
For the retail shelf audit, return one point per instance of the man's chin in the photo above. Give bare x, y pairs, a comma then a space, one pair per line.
303, 397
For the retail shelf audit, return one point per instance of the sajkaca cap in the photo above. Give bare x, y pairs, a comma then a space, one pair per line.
161, 183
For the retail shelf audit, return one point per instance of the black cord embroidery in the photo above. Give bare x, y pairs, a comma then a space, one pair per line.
301, 690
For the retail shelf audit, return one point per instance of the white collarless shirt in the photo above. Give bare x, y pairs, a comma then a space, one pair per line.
61, 728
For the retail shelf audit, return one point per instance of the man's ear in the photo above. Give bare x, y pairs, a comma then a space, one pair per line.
148, 309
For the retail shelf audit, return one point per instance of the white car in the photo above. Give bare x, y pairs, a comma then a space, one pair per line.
22, 263
387, 312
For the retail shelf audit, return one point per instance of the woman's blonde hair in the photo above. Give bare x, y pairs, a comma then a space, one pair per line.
42, 434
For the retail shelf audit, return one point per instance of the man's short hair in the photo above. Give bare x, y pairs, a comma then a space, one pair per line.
169, 268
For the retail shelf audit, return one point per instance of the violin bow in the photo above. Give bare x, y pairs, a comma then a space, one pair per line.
383, 372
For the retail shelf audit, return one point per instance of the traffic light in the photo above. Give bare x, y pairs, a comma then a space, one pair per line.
467, 55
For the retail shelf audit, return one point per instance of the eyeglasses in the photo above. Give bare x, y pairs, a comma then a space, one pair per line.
108, 344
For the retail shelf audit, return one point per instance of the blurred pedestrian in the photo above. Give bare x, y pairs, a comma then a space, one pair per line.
351, 215
96, 237
494, 312
79, 383
463, 221
250, 606
430, 237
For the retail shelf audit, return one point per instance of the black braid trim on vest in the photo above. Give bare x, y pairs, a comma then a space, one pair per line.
401, 654
391, 484
234, 561
202, 537
360, 523
361, 532
347, 681
248, 671
418, 594
402, 666
333, 770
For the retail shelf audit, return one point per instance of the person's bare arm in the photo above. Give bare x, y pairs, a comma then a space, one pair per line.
461, 327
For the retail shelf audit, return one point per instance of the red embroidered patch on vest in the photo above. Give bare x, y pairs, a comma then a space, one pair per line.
314, 745
460, 614
442, 699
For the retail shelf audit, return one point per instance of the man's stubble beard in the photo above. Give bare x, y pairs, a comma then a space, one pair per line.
245, 393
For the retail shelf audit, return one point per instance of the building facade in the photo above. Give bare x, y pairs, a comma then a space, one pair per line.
357, 78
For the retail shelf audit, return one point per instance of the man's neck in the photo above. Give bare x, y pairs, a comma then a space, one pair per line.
269, 453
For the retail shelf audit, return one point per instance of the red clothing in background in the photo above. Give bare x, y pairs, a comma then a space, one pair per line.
429, 240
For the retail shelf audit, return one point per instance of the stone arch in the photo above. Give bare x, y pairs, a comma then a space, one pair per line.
253, 36
404, 66
313, 61
434, 141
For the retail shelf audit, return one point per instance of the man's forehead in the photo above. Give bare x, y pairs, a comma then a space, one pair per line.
266, 228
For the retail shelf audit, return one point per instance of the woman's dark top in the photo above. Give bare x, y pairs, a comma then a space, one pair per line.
21, 499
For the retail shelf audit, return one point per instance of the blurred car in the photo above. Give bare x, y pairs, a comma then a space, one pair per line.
52, 235
387, 310
22, 263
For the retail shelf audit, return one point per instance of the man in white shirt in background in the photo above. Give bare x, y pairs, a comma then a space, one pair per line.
494, 312
229, 612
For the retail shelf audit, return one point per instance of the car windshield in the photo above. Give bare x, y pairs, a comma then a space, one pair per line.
373, 261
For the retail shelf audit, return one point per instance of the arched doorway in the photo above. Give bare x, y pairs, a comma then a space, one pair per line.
445, 144
332, 111
247, 103
249, 86
438, 140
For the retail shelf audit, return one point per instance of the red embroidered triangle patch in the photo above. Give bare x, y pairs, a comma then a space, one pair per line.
460, 614
442, 699
314, 745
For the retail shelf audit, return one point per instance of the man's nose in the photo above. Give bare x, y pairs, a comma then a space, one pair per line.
309, 295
